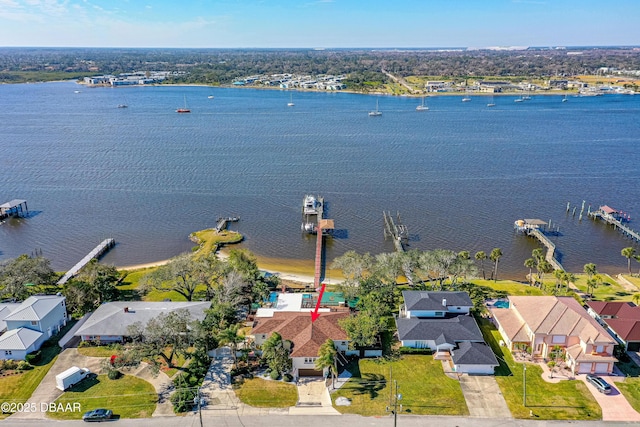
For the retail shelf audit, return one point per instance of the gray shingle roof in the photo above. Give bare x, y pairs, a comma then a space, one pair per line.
423, 300
111, 319
451, 329
474, 353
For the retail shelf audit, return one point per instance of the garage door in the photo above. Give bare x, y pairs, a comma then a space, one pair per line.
584, 368
309, 373
602, 368
634, 346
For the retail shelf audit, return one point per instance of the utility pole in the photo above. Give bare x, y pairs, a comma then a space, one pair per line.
396, 398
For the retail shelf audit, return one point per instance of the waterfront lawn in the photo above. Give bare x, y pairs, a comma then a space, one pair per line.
610, 290
566, 400
425, 389
509, 286
100, 350
20, 387
630, 387
129, 288
210, 239
266, 393
127, 397
633, 279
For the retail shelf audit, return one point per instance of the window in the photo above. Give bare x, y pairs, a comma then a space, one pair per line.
34, 323
558, 339
439, 313
343, 343
7, 352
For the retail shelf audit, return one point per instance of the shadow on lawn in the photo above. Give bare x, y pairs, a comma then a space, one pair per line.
370, 384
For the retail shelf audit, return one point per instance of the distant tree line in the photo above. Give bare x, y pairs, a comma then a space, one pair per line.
223, 66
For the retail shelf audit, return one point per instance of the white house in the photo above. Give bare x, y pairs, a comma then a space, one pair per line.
30, 324
434, 304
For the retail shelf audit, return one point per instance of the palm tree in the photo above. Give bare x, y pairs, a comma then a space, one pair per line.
481, 256
569, 279
496, 253
328, 359
628, 253
637, 258
233, 338
276, 351
590, 270
544, 267
636, 298
530, 263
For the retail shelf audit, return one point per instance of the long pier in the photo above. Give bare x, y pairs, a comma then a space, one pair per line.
322, 228
616, 223
551, 248
96, 253
398, 232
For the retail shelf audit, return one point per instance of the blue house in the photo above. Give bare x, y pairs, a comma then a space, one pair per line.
30, 324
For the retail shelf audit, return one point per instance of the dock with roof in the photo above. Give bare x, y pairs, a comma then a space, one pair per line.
616, 219
14, 207
535, 228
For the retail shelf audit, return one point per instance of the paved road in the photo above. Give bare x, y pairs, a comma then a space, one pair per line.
483, 396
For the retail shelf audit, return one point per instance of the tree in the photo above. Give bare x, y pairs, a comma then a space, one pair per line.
637, 258
233, 338
328, 359
530, 263
165, 335
636, 298
544, 267
18, 274
628, 253
362, 329
590, 270
481, 256
495, 256
180, 274
276, 351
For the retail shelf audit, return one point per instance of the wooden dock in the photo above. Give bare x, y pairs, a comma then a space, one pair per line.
615, 222
224, 222
323, 227
551, 248
397, 231
96, 253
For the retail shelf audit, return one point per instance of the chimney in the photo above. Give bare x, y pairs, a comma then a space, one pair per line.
126, 309
444, 302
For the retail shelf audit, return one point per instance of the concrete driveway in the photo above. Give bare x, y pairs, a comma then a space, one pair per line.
47, 392
483, 396
614, 406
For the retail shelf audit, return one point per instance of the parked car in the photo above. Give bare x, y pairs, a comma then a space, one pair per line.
98, 415
599, 383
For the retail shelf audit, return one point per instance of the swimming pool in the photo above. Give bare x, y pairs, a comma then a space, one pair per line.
273, 297
501, 304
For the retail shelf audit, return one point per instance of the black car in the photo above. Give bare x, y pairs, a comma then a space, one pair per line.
599, 383
98, 415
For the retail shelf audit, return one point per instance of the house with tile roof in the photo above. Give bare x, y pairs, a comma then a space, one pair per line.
110, 322
622, 319
441, 322
306, 336
31, 323
544, 323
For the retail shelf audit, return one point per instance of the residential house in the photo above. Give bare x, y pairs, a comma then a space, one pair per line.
306, 336
545, 324
110, 322
30, 324
441, 322
621, 318
6, 309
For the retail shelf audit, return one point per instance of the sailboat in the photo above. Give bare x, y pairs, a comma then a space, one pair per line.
564, 99
290, 103
422, 107
491, 103
185, 109
377, 112
526, 97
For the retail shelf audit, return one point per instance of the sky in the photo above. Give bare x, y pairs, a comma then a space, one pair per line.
318, 23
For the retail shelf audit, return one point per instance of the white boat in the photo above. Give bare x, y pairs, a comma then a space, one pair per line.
491, 103
377, 112
466, 99
518, 99
310, 205
122, 105
422, 107
290, 103
210, 96
564, 99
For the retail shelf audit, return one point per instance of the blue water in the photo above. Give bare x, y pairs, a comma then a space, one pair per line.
459, 174
501, 304
273, 297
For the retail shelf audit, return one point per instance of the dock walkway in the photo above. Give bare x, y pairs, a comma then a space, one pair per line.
616, 223
223, 222
551, 248
97, 252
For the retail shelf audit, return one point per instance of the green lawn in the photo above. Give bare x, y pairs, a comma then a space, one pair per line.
127, 397
425, 389
509, 286
566, 400
20, 387
267, 394
631, 390
610, 290
99, 351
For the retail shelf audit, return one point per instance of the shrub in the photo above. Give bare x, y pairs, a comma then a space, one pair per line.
410, 350
287, 378
114, 374
33, 357
23, 365
183, 399
274, 375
